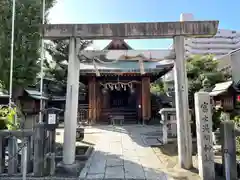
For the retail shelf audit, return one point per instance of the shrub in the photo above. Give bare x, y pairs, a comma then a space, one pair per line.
7, 116
236, 120
216, 118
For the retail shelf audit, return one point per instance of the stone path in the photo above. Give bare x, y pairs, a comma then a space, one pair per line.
120, 153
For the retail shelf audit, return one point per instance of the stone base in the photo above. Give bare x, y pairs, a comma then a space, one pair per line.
70, 169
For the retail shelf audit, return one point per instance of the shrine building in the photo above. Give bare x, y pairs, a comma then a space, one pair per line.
119, 82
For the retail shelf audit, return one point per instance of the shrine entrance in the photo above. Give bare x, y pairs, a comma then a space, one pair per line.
120, 92
87, 61
120, 98
123, 102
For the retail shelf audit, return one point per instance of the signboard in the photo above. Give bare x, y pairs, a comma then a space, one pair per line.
144, 30
52, 119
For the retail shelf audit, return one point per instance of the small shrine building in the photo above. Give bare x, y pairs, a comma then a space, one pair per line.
119, 82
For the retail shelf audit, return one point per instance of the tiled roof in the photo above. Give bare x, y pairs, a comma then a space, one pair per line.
126, 66
35, 94
221, 88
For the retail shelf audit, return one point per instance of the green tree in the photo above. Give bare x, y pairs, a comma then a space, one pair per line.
26, 64
158, 86
202, 74
56, 69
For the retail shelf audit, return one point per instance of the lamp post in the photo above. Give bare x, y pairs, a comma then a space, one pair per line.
11, 51
42, 59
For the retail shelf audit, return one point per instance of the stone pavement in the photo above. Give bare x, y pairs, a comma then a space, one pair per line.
120, 153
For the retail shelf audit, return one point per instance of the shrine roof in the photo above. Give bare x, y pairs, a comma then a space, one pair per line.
126, 61
221, 88
35, 94
130, 66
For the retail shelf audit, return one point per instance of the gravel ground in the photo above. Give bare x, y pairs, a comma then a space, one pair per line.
167, 154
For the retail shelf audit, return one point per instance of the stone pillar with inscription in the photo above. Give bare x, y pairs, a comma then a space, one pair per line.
204, 136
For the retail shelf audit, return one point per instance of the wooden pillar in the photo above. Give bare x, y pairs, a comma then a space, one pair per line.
105, 104
146, 98
104, 100
139, 101
92, 114
90, 99
98, 101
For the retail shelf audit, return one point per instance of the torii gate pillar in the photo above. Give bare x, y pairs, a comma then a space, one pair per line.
182, 108
71, 107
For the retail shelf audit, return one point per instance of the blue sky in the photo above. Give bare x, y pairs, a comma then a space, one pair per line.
104, 11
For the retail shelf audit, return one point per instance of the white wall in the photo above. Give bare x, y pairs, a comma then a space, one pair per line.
235, 66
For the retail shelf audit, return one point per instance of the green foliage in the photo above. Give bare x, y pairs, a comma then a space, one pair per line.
236, 120
158, 86
216, 118
202, 74
56, 69
7, 118
26, 44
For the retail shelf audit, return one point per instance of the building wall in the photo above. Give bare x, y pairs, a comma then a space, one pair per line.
224, 62
235, 66
220, 45
231, 64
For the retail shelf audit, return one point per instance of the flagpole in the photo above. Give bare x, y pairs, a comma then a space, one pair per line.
42, 59
11, 55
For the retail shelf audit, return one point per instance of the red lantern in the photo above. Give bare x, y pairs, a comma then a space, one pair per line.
238, 98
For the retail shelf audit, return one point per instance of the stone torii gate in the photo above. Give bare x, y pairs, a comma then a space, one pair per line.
148, 30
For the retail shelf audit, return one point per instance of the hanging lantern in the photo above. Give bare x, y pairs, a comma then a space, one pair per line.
238, 98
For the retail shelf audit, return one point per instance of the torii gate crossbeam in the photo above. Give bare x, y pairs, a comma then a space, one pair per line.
145, 30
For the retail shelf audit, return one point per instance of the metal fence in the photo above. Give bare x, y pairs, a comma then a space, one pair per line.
32, 156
